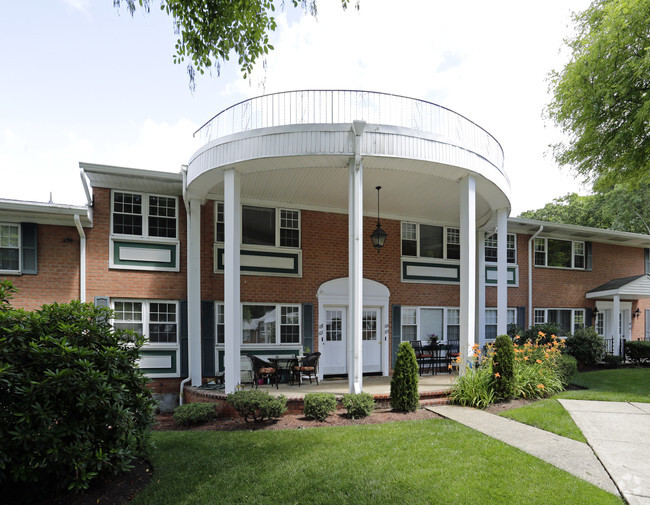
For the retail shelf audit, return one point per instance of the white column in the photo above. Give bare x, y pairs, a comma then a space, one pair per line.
355, 277
480, 286
194, 293
232, 295
502, 272
467, 267
616, 314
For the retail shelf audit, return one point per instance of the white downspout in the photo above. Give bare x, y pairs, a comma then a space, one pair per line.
530, 275
82, 258
187, 214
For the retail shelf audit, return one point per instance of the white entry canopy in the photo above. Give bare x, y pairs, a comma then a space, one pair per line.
628, 288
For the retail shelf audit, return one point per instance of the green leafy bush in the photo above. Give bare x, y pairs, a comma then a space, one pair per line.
73, 403
475, 388
194, 413
566, 366
535, 380
404, 395
586, 346
359, 405
319, 405
255, 405
539, 333
503, 368
612, 361
637, 351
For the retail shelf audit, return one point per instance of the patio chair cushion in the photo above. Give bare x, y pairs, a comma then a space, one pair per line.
304, 368
267, 370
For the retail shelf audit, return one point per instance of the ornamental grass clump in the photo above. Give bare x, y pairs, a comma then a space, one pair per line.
404, 395
191, 414
359, 405
319, 405
257, 406
503, 368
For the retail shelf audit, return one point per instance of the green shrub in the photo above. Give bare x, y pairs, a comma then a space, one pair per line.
474, 389
404, 395
611, 361
503, 368
255, 405
319, 405
532, 334
566, 366
637, 351
586, 346
194, 413
73, 403
359, 405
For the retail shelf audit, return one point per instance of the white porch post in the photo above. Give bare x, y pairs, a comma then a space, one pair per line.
355, 263
480, 284
467, 267
194, 293
232, 295
616, 314
502, 272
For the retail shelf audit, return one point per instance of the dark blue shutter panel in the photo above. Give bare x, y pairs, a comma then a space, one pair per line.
105, 302
308, 326
521, 317
396, 336
184, 366
647, 261
207, 338
28, 243
588, 317
589, 259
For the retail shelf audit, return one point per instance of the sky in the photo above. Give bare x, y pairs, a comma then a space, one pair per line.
83, 81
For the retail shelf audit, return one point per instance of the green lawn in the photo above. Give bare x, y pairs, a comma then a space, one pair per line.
622, 385
432, 461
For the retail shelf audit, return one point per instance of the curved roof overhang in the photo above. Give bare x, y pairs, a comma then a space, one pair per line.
307, 165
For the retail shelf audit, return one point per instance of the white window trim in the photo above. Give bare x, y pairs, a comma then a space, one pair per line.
20, 251
508, 235
278, 311
278, 212
417, 241
146, 320
573, 253
573, 315
511, 315
145, 219
418, 308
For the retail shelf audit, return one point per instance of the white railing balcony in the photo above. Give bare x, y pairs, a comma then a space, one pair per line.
344, 106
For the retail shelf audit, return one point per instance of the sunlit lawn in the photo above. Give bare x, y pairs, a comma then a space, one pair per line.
415, 462
621, 385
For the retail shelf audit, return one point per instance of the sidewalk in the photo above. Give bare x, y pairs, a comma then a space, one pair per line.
619, 434
569, 455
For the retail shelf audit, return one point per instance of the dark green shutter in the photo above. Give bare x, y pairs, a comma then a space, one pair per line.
588, 317
184, 366
521, 317
207, 338
647, 261
308, 326
396, 325
589, 259
103, 301
28, 242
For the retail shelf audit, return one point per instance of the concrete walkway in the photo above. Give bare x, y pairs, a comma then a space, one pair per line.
569, 455
619, 434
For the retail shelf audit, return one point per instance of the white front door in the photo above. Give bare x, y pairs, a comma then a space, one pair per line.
333, 342
371, 340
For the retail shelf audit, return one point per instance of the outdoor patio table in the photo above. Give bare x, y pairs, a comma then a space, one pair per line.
284, 366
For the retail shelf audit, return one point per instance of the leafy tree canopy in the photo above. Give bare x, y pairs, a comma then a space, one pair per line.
623, 208
210, 30
600, 98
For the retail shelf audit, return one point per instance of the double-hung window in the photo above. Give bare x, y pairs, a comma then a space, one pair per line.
568, 320
491, 322
491, 248
264, 324
421, 323
430, 241
264, 226
156, 320
9, 248
144, 215
550, 252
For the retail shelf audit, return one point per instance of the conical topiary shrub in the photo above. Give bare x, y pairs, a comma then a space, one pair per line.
404, 396
503, 368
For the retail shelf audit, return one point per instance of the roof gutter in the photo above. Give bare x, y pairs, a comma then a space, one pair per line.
187, 214
530, 275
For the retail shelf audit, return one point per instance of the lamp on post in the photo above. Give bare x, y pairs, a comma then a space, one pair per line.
378, 236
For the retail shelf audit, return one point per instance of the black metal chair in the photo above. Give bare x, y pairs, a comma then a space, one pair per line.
263, 370
441, 357
308, 366
423, 357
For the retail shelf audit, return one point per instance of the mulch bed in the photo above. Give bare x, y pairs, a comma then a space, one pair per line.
121, 489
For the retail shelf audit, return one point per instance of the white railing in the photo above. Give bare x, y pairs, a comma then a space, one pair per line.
343, 106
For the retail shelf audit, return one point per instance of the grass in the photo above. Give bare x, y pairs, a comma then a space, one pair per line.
622, 385
432, 461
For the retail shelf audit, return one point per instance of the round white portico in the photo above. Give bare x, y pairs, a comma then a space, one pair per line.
324, 149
